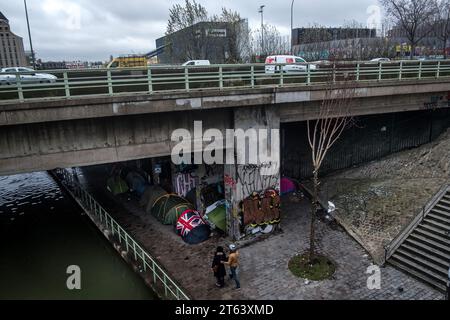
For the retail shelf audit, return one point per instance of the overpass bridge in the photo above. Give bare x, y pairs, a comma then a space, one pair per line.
92, 117
73, 122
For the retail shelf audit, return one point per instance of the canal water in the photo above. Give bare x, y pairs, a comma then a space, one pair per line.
42, 233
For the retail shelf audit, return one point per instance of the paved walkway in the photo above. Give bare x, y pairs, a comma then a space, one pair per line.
264, 271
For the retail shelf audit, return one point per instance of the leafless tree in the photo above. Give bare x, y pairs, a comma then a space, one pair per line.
414, 17
239, 45
443, 24
332, 119
185, 17
274, 43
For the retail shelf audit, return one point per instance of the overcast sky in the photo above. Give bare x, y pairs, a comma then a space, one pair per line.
95, 29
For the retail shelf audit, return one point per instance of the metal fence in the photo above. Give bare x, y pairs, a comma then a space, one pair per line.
369, 138
99, 216
21, 86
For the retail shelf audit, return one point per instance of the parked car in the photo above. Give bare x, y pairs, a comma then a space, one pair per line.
196, 63
291, 64
380, 60
27, 75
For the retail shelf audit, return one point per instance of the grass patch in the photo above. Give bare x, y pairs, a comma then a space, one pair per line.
320, 268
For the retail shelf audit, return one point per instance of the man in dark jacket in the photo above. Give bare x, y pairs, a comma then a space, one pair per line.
218, 267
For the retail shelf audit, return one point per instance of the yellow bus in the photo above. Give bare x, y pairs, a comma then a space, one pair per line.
128, 62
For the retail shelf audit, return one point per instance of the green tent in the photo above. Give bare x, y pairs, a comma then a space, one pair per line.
216, 215
151, 194
116, 185
169, 207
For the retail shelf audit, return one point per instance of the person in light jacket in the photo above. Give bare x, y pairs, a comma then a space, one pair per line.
233, 263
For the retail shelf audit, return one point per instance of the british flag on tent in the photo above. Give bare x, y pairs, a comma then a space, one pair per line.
191, 227
188, 220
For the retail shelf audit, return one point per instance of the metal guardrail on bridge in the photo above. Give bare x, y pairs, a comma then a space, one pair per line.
99, 215
23, 86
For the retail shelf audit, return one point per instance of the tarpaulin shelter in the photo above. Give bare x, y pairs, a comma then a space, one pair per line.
191, 227
169, 207
215, 215
116, 185
261, 209
151, 194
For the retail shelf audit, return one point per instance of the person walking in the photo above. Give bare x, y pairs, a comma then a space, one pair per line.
233, 263
218, 267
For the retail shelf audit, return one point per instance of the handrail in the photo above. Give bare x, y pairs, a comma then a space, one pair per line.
69, 83
390, 248
91, 206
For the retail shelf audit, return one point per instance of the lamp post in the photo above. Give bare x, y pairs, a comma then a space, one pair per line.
292, 22
29, 35
261, 10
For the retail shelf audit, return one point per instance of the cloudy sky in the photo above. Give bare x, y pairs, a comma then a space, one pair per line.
95, 29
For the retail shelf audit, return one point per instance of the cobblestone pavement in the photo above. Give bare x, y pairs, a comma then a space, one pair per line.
264, 264
266, 276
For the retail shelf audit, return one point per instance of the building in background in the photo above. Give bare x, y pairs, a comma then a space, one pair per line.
321, 34
218, 42
12, 53
321, 43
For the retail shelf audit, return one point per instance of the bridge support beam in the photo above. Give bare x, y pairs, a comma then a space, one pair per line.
241, 180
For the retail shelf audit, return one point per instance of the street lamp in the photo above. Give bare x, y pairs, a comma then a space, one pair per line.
261, 10
29, 35
292, 22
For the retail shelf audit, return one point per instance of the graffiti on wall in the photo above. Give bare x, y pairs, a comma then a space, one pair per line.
250, 179
185, 182
260, 209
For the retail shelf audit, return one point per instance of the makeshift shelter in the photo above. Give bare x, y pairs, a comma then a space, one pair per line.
261, 209
215, 215
287, 186
136, 182
151, 194
191, 227
169, 207
116, 185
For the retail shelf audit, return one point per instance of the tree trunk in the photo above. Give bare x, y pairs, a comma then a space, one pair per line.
444, 48
413, 51
314, 201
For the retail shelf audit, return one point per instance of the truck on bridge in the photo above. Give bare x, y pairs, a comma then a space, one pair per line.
134, 60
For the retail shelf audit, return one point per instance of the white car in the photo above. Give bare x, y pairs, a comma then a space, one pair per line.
27, 75
196, 63
380, 60
291, 64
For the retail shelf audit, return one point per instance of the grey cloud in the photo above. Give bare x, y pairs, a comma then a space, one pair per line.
118, 27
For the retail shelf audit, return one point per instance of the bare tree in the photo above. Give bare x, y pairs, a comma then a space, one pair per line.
414, 17
191, 41
239, 47
274, 43
443, 24
333, 118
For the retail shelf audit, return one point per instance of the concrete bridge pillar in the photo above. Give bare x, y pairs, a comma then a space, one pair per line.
243, 178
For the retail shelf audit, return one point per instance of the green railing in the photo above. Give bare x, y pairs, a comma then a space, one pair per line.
102, 218
20, 87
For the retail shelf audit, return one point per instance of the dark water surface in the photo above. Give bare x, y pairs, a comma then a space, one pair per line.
42, 232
